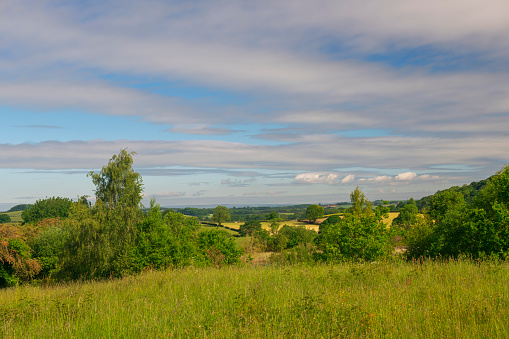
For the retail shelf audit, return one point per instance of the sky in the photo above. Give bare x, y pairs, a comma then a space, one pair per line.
253, 102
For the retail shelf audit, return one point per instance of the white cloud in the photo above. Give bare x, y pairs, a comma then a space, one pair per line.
317, 178
348, 178
406, 176
378, 179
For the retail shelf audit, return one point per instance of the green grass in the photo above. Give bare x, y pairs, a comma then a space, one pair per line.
459, 299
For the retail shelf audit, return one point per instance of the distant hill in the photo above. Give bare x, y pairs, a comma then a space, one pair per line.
18, 208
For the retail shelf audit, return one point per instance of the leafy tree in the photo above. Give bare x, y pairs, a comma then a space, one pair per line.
118, 184
221, 214
360, 204
314, 212
356, 237
101, 239
272, 215
444, 201
4, 218
54, 207
407, 216
250, 227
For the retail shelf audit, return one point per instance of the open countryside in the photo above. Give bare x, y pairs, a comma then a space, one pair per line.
71, 268
254, 169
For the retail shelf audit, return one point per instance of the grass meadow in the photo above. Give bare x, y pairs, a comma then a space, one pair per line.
457, 299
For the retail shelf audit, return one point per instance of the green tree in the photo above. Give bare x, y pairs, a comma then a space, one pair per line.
408, 215
272, 215
314, 212
360, 204
54, 207
4, 218
117, 184
101, 239
221, 214
250, 227
444, 201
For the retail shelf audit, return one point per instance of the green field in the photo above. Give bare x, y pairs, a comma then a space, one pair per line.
459, 299
15, 216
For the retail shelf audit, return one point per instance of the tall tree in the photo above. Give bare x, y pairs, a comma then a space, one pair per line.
360, 204
118, 183
102, 238
221, 214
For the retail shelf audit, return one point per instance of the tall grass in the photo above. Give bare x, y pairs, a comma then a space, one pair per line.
457, 299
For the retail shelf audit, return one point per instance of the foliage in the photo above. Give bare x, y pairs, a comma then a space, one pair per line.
16, 262
273, 215
360, 204
54, 207
219, 247
101, 238
314, 212
221, 214
167, 241
4, 218
48, 248
454, 228
296, 235
249, 228
333, 219
118, 185
408, 215
356, 237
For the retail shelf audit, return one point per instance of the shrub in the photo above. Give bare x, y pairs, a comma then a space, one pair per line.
16, 262
218, 247
356, 237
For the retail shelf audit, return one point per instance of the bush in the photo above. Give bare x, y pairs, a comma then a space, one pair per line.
219, 247
16, 263
356, 237
4, 218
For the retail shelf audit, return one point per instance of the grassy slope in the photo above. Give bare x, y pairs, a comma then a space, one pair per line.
433, 300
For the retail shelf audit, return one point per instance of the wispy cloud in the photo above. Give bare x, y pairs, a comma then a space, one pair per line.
319, 88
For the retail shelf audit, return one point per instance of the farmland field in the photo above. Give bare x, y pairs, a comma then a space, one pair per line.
457, 299
15, 216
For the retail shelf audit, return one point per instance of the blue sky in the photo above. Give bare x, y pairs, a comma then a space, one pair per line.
267, 102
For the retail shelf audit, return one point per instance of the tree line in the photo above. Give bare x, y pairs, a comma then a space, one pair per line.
64, 240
